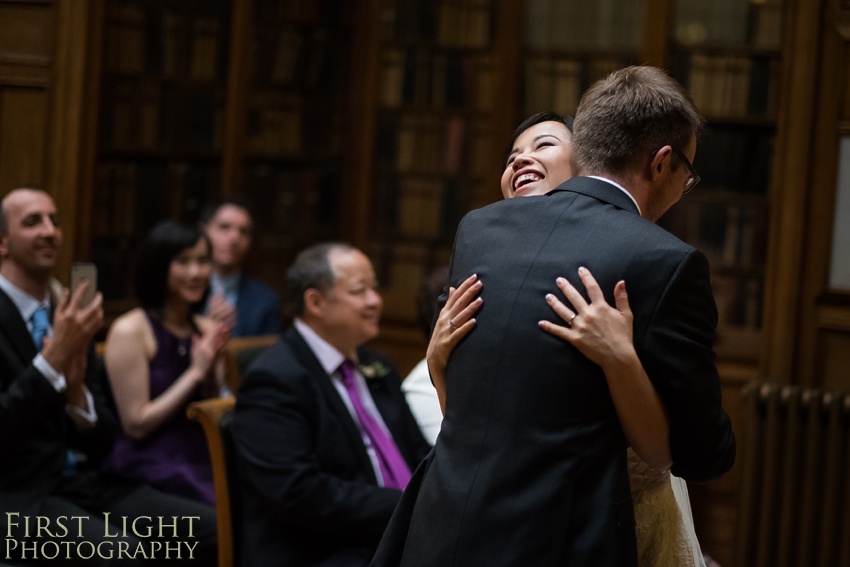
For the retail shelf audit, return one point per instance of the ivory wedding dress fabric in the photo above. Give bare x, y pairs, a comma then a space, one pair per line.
664, 524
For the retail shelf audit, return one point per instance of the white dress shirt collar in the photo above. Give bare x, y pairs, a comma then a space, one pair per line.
25, 303
621, 188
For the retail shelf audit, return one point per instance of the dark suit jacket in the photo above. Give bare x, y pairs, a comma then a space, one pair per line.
530, 466
310, 496
36, 431
257, 309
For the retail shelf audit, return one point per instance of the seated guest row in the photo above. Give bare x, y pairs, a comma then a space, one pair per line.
326, 441
58, 426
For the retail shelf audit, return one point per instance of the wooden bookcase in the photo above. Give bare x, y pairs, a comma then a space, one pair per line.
295, 127
383, 122
729, 56
163, 93
202, 99
434, 143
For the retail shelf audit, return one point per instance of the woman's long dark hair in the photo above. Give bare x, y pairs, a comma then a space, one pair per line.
164, 243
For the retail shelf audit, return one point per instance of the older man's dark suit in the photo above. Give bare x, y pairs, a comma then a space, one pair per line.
530, 466
310, 493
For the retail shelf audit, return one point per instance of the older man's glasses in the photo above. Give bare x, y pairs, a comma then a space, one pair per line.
693, 176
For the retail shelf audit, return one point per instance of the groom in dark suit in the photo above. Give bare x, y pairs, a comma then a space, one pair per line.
324, 437
54, 423
530, 467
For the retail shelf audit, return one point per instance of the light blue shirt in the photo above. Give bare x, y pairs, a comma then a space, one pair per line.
226, 287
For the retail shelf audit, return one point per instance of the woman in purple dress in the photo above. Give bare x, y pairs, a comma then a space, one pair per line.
160, 357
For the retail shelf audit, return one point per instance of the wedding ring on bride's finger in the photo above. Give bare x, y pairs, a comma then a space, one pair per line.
452, 325
570, 322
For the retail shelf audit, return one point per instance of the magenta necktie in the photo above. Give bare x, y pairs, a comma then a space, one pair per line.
395, 472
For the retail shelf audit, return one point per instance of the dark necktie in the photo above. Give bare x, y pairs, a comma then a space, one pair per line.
395, 472
40, 323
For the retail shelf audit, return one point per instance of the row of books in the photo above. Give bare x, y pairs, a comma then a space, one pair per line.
301, 57
168, 43
150, 115
130, 196
274, 124
735, 158
293, 206
401, 269
732, 236
556, 84
446, 23
424, 78
274, 13
433, 144
618, 24
734, 86
421, 208
287, 123
601, 25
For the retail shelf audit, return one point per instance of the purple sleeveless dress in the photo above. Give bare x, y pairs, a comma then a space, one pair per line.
175, 457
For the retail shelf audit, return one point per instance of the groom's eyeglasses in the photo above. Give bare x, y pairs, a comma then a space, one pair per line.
693, 177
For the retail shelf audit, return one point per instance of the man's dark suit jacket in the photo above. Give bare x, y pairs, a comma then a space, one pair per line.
530, 466
310, 496
257, 309
36, 430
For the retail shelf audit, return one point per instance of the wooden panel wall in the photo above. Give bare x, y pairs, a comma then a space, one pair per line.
825, 313
46, 102
26, 52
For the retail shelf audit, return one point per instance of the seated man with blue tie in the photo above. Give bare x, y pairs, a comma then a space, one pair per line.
54, 425
247, 306
324, 437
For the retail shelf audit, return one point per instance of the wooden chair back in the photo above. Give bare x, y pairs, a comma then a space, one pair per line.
214, 416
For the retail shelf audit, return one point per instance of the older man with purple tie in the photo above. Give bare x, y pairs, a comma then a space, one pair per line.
325, 439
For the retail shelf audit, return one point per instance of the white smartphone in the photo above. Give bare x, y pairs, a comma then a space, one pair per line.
84, 272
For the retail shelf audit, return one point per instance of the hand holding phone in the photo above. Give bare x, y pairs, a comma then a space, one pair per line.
84, 272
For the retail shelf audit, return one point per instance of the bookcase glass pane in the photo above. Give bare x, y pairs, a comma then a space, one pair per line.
570, 45
729, 22
601, 25
839, 270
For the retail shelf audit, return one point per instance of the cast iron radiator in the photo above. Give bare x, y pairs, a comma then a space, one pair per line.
795, 489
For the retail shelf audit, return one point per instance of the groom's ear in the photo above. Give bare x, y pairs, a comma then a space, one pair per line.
659, 161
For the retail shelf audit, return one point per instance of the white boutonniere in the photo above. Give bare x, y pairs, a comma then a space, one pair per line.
374, 370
